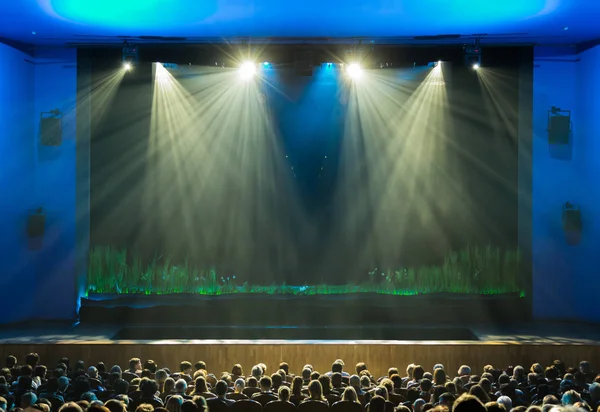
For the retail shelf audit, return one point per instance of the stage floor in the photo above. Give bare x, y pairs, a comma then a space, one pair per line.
516, 344
558, 333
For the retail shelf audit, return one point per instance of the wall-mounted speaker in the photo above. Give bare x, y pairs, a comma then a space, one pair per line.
51, 131
559, 126
559, 130
36, 223
572, 223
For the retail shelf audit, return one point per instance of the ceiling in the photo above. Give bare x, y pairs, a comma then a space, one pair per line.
56, 22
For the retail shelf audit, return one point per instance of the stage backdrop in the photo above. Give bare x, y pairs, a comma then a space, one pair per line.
401, 181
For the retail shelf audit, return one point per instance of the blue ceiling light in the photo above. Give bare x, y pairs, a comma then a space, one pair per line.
65, 19
157, 15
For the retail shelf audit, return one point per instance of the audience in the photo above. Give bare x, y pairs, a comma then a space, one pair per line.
143, 387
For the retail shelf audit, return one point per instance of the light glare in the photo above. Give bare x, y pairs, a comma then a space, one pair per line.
354, 70
127, 66
247, 70
476, 66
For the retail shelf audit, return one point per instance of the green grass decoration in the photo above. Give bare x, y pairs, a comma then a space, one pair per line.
472, 270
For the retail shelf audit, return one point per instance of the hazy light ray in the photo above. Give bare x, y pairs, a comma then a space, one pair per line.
492, 83
170, 106
235, 152
103, 93
481, 165
397, 132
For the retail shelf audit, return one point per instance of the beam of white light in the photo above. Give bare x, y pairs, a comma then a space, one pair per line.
393, 154
127, 66
229, 175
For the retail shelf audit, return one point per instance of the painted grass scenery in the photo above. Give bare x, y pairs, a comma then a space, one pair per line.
472, 270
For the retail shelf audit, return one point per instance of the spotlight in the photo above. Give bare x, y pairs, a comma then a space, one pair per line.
476, 66
266, 64
127, 66
354, 70
247, 70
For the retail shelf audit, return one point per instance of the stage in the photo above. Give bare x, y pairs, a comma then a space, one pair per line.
523, 343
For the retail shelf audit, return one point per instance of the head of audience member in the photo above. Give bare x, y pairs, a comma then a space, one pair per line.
185, 368
350, 395
252, 382
377, 404
276, 381
337, 381
337, 366
70, 407
479, 393
285, 367
494, 407
570, 397
464, 370
468, 403
114, 405
315, 391
297, 384
417, 373
447, 399
257, 372
325, 384
148, 387
239, 385
180, 387
188, 405
537, 369
151, 366
506, 402
306, 374
360, 366
409, 370
418, 405
221, 389
237, 370
135, 364
200, 385
11, 361
283, 394
174, 403
365, 382
265, 384
439, 376
28, 399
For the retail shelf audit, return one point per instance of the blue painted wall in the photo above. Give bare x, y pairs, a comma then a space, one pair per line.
37, 284
587, 258
565, 278
55, 80
17, 184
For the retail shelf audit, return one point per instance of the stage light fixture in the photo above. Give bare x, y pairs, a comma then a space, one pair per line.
247, 70
127, 66
476, 66
354, 70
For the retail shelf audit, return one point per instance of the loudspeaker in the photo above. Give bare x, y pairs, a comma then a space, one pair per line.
36, 223
51, 131
559, 129
571, 218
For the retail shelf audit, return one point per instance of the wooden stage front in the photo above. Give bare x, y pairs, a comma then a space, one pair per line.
524, 344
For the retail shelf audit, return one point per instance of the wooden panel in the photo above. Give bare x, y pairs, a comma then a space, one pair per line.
378, 357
